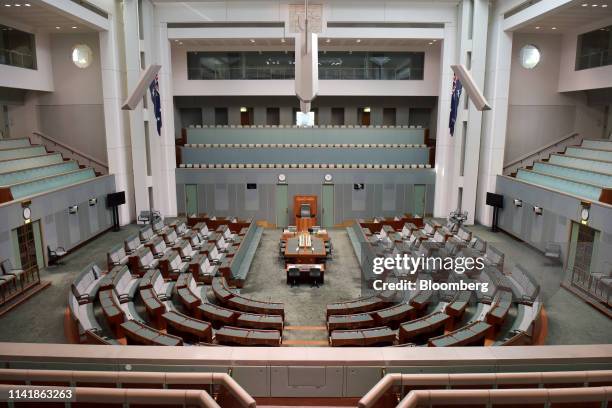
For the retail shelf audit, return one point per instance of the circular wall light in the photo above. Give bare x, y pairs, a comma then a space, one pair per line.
530, 56
82, 55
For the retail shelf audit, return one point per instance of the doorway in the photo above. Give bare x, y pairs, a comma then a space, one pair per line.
581, 250
191, 199
327, 205
337, 116
282, 205
29, 244
389, 116
246, 116
419, 200
363, 116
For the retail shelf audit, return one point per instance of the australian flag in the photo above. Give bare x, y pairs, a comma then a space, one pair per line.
154, 88
457, 87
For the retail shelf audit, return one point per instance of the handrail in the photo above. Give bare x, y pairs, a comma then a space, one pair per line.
113, 377
147, 396
480, 379
72, 150
543, 396
538, 151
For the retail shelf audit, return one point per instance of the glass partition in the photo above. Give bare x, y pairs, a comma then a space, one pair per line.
367, 65
240, 65
17, 48
371, 65
594, 49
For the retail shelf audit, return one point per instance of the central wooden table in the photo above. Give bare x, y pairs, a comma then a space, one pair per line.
314, 254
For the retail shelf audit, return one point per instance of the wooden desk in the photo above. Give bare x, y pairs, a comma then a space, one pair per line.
427, 325
305, 255
247, 337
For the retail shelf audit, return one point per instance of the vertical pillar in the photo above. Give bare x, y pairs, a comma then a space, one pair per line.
164, 162
474, 17
136, 117
117, 133
494, 121
445, 144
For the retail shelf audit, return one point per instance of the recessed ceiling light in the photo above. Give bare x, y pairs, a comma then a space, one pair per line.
328, 40
17, 5
594, 5
431, 43
554, 28
252, 40
537, 27
74, 26
282, 40
358, 40
7, 5
604, 5
584, 4
58, 27
27, 4
181, 43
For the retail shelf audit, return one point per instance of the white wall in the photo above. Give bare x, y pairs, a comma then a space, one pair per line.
74, 112
41, 78
538, 113
593, 78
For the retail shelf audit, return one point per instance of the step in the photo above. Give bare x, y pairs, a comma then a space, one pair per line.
601, 144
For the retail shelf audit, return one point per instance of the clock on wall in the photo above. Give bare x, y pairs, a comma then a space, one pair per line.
328, 178
282, 178
26, 213
584, 212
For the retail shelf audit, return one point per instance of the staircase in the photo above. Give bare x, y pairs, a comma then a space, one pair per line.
584, 171
54, 145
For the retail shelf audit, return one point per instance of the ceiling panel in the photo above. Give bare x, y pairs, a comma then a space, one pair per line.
39, 17
581, 13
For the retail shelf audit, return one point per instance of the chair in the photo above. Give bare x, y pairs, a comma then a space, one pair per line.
55, 254
315, 276
293, 276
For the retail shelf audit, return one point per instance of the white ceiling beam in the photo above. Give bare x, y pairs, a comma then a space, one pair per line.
536, 12
383, 32
225, 32
77, 13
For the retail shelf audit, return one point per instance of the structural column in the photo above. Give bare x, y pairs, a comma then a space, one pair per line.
118, 144
165, 161
136, 117
445, 144
474, 17
494, 121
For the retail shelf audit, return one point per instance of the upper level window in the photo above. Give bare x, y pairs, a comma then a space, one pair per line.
240, 65
594, 49
371, 65
366, 65
17, 48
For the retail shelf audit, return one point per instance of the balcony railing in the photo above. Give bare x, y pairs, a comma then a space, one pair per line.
242, 73
16, 59
594, 59
333, 73
370, 73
